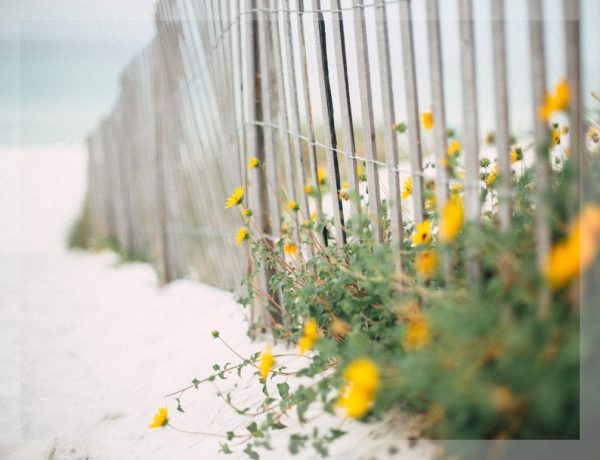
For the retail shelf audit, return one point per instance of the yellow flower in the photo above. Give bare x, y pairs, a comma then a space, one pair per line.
562, 94
321, 176
362, 379
246, 212
267, 361
160, 419
311, 329
427, 120
555, 102
516, 154
242, 234
290, 248
431, 201
456, 188
577, 251
360, 172
292, 205
555, 137
253, 163
363, 374
451, 219
416, 334
407, 188
426, 263
593, 135
311, 334
453, 147
308, 189
313, 216
422, 233
236, 198
491, 178
355, 403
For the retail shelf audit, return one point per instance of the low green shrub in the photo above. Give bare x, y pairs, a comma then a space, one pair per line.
469, 331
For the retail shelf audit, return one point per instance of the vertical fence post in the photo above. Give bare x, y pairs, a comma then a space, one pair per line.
288, 165
255, 136
437, 102
368, 124
389, 134
333, 170
306, 95
438, 108
412, 108
162, 246
339, 42
502, 123
541, 135
470, 127
572, 19
294, 115
268, 116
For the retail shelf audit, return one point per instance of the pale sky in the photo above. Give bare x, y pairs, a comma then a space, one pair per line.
60, 62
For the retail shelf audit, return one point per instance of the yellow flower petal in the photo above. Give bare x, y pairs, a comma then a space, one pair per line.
427, 120
451, 218
236, 198
160, 419
422, 234
267, 361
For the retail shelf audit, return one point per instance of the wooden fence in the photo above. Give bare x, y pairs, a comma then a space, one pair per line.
303, 86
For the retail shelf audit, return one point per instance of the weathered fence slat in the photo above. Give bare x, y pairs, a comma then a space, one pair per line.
502, 124
339, 42
306, 96
412, 108
368, 124
438, 107
270, 161
572, 20
470, 128
389, 133
288, 164
294, 114
329, 125
541, 137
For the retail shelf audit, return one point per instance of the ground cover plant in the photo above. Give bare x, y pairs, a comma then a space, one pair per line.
485, 353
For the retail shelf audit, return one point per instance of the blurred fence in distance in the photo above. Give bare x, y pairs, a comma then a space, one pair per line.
301, 85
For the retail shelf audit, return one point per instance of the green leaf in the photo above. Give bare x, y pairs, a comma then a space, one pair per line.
251, 453
297, 441
284, 390
225, 449
335, 433
400, 127
252, 428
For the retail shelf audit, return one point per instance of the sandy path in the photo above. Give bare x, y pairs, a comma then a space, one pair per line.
87, 349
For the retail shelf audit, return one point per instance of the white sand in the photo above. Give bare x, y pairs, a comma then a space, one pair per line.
88, 349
